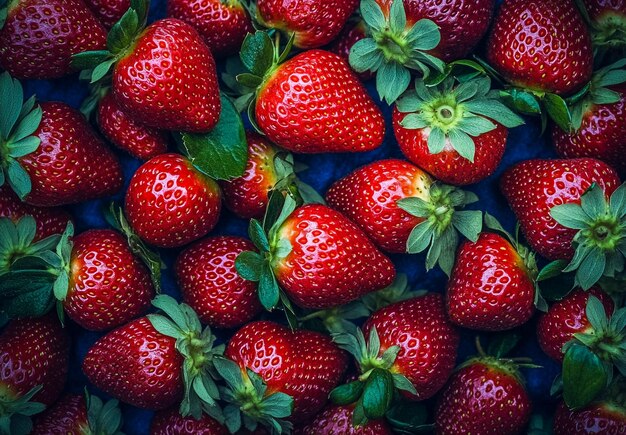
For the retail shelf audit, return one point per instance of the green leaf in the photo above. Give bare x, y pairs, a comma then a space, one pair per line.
27, 145
277, 405
502, 344
165, 326
18, 179
392, 79
365, 55
28, 125
257, 53
413, 121
372, 14
424, 35
102, 70
348, 393
584, 376
570, 216
558, 110
593, 201
377, 394
436, 141
618, 202
463, 144
258, 236
523, 102
397, 16
12, 98
249, 80
88, 60
469, 223
407, 416
596, 314
591, 268
269, 292
420, 238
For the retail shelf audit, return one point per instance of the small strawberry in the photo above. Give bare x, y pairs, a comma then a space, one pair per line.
602, 418
156, 361
311, 252
343, 43
211, 285
222, 24
170, 422
273, 373
75, 414
164, 189
39, 37
563, 211
456, 131
50, 154
108, 12
337, 420
608, 25
401, 209
297, 100
34, 356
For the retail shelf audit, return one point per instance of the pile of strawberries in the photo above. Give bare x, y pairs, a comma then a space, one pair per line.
305, 326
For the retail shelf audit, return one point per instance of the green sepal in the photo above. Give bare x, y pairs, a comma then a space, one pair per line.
288, 183
558, 110
377, 394
104, 418
463, 70
502, 344
584, 376
522, 101
347, 394
398, 291
407, 417
17, 413
4, 12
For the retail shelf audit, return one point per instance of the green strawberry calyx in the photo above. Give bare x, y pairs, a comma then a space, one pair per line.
196, 345
608, 30
17, 240
601, 238
454, 113
249, 401
286, 170
103, 418
16, 412
442, 221
19, 120
393, 48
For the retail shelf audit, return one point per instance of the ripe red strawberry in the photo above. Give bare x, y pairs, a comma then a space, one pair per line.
139, 140
608, 25
541, 45
34, 357
301, 97
222, 25
484, 396
566, 318
170, 422
39, 37
382, 199
310, 252
605, 417
314, 22
338, 420
164, 189
108, 12
455, 131
298, 368
210, 284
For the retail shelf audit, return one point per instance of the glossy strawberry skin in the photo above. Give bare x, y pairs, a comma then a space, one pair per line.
50, 220
211, 285
542, 45
368, 197
332, 262
304, 364
337, 420
34, 352
164, 189
137, 365
566, 318
222, 25
40, 37
601, 136
533, 187
307, 93
490, 288
67, 416
483, 399
139, 140
170, 422
247, 196
314, 22
169, 80
109, 286
108, 12
428, 341
598, 418
448, 166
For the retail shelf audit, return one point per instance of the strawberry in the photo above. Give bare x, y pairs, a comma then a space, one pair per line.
484, 396
313, 22
34, 356
164, 189
156, 361
401, 209
562, 208
295, 103
108, 12
541, 45
608, 25
310, 252
338, 420
222, 25
493, 282
604, 417
76, 414
170, 422
139, 140
39, 37
456, 131
273, 373
211, 286
50, 154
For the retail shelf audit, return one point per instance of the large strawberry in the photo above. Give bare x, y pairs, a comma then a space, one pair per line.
39, 37
211, 285
541, 45
562, 208
170, 422
604, 417
155, 362
310, 252
337, 420
34, 356
314, 23
50, 154
401, 209
170, 203
275, 373
456, 131
108, 12
295, 101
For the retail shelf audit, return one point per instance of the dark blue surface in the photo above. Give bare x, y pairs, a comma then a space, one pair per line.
524, 143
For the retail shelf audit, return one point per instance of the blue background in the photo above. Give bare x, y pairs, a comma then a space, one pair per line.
524, 143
